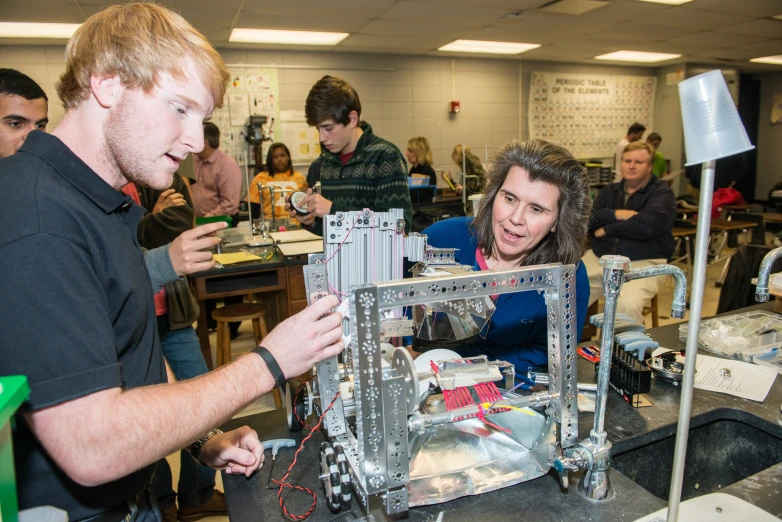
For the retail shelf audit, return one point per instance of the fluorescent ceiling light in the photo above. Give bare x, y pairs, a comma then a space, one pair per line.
636, 56
276, 36
775, 60
482, 46
668, 2
36, 30
777, 17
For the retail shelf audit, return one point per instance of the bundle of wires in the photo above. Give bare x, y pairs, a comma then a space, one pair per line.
283, 484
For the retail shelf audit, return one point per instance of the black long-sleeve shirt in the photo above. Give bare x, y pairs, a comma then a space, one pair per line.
648, 234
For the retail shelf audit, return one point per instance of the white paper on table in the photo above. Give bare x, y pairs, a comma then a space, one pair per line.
300, 248
747, 380
292, 236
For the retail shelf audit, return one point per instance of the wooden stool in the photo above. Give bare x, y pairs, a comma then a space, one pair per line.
653, 310
236, 313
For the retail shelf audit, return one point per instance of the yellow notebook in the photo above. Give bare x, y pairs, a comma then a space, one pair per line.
235, 257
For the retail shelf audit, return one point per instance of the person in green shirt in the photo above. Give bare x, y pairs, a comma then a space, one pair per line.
659, 167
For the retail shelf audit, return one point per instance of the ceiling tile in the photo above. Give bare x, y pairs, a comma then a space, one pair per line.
717, 39
767, 48
206, 19
574, 7
509, 5
564, 52
756, 8
731, 53
453, 13
552, 22
678, 48
302, 23
414, 28
310, 8
767, 28
392, 42
627, 10
631, 31
694, 19
41, 12
522, 36
703, 30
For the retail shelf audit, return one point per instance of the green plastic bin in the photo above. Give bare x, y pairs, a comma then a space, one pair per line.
213, 219
13, 392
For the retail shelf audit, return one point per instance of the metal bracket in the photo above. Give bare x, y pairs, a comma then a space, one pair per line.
395, 501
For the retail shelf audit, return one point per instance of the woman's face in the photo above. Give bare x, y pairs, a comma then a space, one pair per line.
280, 160
524, 212
456, 159
411, 156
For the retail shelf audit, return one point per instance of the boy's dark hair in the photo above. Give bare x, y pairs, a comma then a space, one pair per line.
331, 99
14, 83
212, 134
270, 158
636, 127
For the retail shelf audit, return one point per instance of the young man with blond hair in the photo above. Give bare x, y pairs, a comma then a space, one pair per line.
632, 218
138, 84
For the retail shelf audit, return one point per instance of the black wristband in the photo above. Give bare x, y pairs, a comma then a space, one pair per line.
271, 363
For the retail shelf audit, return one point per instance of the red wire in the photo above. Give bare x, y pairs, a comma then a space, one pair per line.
284, 484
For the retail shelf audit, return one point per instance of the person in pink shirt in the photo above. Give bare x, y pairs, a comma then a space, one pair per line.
218, 178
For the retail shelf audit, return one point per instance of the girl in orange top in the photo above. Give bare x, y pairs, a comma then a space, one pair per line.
279, 173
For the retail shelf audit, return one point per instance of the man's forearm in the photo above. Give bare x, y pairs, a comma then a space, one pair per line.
130, 430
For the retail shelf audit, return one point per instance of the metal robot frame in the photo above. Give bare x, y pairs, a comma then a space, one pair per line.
377, 452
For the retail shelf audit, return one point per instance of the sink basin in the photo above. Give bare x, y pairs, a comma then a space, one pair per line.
720, 452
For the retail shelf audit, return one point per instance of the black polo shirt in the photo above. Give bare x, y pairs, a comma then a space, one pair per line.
77, 308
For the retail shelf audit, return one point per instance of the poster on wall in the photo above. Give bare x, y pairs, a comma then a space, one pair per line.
588, 113
252, 91
302, 140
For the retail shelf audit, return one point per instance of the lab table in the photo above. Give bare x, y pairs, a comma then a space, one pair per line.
279, 277
540, 499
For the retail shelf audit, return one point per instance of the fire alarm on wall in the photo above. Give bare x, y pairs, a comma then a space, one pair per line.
455, 107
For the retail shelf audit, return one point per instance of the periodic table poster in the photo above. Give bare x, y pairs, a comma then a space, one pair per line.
588, 113
252, 91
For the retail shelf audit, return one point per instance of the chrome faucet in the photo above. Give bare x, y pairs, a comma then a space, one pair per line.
679, 305
594, 454
761, 292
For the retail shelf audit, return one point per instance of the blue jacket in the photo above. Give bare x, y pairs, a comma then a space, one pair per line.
518, 329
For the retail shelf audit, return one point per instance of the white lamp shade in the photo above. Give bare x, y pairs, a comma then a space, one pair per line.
712, 127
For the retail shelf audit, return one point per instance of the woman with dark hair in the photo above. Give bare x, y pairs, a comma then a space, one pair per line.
279, 173
535, 210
